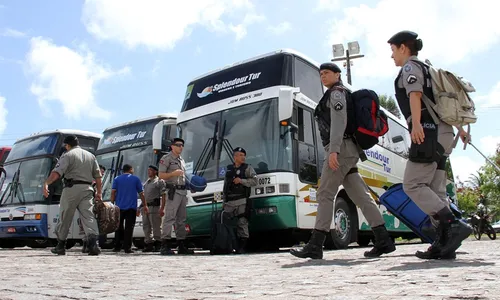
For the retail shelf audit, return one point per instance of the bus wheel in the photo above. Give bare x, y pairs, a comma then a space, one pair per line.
344, 224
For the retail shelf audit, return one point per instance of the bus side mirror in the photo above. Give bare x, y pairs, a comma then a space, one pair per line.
397, 139
285, 102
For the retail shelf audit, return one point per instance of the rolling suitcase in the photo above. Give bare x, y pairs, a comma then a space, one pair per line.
223, 232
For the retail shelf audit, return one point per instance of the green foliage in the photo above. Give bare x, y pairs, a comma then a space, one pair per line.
389, 103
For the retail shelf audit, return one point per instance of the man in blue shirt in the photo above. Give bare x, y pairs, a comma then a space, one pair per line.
124, 192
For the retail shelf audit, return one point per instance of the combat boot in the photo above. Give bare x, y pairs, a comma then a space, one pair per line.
383, 243
165, 248
241, 246
314, 248
85, 248
453, 233
60, 248
148, 247
157, 246
434, 250
93, 248
183, 249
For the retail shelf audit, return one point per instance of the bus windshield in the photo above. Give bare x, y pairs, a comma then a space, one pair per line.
40, 145
24, 180
254, 127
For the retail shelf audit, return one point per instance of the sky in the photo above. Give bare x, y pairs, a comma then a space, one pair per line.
92, 64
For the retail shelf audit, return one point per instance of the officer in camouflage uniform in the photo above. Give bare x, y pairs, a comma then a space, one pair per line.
79, 168
339, 168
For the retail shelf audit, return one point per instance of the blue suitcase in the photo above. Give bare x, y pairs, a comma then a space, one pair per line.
402, 207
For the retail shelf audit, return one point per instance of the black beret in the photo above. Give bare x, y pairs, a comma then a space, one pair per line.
402, 37
330, 66
239, 149
153, 167
177, 140
69, 139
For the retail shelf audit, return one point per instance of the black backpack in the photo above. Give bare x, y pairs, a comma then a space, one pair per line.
366, 122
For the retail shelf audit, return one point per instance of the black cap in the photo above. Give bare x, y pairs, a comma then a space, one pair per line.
402, 37
177, 140
330, 66
69, 139
153, 167
239, 149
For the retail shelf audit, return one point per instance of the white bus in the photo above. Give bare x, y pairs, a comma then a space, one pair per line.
139, 143
265, 105
27, 218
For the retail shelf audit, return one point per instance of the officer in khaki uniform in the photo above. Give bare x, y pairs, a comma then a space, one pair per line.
339, 168
425, 176
154, 193
172, 169
79, 168
238, 180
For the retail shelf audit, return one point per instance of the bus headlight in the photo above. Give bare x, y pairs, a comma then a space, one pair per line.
33, 217
266, 210
259, 191
270, 189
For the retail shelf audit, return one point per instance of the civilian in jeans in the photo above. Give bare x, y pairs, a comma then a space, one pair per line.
124, 191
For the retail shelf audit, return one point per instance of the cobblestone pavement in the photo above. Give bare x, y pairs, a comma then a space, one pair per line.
342, 274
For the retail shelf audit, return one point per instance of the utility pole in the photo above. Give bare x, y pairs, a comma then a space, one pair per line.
351, 53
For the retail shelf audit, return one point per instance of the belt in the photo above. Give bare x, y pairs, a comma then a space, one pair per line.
176, 186
155, 200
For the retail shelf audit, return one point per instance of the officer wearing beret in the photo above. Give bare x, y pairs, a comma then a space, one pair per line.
172, 169
155, 195
425, 177
78, 168
237, 182
339, 168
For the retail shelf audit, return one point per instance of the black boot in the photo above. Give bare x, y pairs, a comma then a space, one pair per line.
85, 248
60, 248
242, 243
434, 251
453, 232
165, 248
157, 246
314, 248
148, 247
183, 249
93, 248
383, 243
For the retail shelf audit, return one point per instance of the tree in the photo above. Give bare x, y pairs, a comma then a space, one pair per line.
389, 103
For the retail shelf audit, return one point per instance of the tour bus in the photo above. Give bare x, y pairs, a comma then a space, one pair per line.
138, 143
265, 105
27, 217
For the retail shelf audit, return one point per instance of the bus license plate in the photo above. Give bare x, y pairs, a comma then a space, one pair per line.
11, 229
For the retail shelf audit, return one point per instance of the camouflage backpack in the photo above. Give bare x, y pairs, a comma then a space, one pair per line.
108, 217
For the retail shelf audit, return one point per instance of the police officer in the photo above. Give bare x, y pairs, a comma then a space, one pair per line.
102, 238
79, 168
154, 192
339, 168
238, 180
425, 177
172, 169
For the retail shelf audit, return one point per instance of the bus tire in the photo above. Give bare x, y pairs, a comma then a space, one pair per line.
344, 220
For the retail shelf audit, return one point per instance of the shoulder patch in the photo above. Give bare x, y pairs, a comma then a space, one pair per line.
411, 79
338, 105
407, 67
337, 94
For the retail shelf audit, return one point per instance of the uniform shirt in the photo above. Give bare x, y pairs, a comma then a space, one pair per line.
78, 164
170, 163
154, 188
127, 187
412, 77
338, 117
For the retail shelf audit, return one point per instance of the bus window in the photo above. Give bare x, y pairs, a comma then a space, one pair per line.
397, 139
307, 152
307, 78
88, 144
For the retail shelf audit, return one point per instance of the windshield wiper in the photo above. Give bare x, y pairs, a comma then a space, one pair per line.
111, 169
207, 152
14, 190
226, 145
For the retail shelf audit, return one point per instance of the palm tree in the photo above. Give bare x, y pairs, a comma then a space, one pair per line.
477, 181
389, 103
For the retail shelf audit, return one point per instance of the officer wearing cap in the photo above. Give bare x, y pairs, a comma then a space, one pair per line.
237, 182
172, 169
79, 168
339, 168
425, 177
155, 195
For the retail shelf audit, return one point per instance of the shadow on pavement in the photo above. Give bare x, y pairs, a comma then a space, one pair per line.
324, 262
434, 264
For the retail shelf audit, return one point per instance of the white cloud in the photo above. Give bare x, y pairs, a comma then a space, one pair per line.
159, 24
464, 166
9, 32
281, 28
492, 100
69, 77
3, 114
450, 30
489, 144
327, 5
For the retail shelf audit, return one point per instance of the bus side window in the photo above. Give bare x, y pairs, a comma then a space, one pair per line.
308, 79
307, 151
397, 139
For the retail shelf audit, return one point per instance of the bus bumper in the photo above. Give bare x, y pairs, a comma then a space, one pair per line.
24, 229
